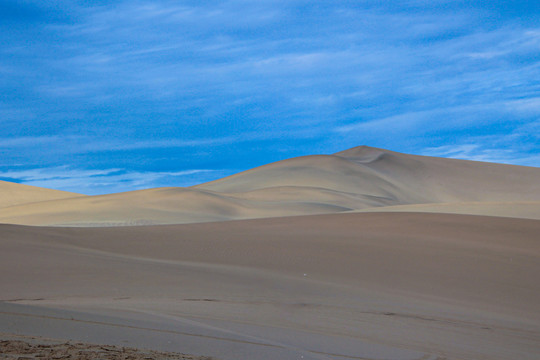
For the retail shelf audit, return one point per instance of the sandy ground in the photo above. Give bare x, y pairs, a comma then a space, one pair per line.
343, 286
28, 348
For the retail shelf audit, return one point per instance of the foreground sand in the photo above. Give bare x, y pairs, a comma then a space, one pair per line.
342, 286
29, 347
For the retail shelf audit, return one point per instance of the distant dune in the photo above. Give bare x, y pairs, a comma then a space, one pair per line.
391, 177
17, 194
361, 178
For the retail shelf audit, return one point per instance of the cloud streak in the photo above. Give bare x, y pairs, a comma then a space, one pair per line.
477, 152
92, 182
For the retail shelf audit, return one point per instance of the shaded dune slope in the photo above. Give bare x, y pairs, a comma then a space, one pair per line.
356, 179
398, 252
454, 286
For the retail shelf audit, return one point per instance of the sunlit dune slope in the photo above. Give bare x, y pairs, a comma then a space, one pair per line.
155, 206
16, 194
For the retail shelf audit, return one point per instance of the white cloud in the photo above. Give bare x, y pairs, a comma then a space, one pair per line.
101, 181
490, 149
527, 106
420, 121
455, 117
500, 42
472, 152
82, 144
60, 172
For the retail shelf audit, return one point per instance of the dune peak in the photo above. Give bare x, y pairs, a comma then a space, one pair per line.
364, 153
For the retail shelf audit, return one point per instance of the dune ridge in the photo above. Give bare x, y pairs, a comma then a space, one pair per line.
358, 179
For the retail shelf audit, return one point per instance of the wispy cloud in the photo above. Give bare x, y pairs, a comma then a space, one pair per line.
495, 148
425, 121
482, 152
93, 182
76, 144
472, 152
525, 106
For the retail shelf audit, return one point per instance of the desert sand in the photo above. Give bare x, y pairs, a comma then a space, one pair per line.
17, 194
364, 254
30, 347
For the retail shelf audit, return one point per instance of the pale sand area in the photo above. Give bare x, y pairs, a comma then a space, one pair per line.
17, 194
357, 179
341, 286
513, 209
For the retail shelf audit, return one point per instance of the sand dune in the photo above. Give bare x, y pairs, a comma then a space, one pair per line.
357, 179
512, 209
16, 194
342, 286
395, 177
157, 206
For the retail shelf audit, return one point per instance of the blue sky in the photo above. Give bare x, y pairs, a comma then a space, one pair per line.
108, 96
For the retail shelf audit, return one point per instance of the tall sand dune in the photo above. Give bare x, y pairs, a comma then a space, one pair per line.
396, 177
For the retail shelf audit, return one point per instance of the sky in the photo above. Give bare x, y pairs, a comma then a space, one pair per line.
107, 96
